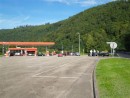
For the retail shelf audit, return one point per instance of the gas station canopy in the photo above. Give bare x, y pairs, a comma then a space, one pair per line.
24, 51
28, 43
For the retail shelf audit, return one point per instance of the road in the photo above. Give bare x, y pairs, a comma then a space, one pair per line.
124, 55
46, 77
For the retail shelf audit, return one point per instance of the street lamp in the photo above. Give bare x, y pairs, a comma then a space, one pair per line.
46, 49
79, 42
62, 47
72, 48
3, 48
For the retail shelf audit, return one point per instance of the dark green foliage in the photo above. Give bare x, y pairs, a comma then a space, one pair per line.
127, 42
109, 22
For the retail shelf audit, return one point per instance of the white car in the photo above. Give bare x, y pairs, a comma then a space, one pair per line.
17, 54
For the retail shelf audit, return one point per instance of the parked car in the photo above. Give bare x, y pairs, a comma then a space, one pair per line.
60, 55
17, 54
12, 54
94, 54
72, 54
40, 54
103, 53
77, 54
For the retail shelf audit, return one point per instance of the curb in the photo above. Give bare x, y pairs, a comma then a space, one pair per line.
95, 89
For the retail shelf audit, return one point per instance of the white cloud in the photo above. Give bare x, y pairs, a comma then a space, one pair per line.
13, 22
26, 18
8, 23
60, 1
70, 2
86, 2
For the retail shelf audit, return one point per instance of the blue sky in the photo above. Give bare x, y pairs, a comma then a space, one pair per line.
14, 13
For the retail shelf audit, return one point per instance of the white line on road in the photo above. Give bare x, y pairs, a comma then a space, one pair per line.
48, 70
38, 74
55, 77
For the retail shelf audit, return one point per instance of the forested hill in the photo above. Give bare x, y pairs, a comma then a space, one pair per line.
109, 22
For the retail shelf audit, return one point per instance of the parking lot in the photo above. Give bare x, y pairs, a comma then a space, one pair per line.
46, 77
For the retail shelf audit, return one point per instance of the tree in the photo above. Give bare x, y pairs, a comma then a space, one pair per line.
89, 42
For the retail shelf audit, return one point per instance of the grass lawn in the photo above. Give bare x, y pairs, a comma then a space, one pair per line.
113, 78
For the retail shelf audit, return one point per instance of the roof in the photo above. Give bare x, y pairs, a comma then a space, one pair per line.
28, 43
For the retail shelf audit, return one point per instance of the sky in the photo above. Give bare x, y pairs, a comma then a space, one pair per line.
15, 13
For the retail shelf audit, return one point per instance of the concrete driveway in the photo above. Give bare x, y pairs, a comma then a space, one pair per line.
47, 77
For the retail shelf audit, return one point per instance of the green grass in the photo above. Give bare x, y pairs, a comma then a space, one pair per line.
1, 55
113, 78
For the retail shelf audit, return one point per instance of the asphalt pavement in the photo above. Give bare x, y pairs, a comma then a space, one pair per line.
124, 55
47, 77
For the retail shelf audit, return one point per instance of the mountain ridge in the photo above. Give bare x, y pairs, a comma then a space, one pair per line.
108, 22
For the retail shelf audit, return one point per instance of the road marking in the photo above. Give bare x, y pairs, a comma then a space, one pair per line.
81, 74
52, 69
48, 70
55, 77
44, 76
69, 77
68, 63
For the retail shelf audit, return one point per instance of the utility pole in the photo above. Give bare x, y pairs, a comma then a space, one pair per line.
46, 49
62, 48
79, 42
3, 50
72, 48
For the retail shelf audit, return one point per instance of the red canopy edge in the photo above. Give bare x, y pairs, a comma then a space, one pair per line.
28, 43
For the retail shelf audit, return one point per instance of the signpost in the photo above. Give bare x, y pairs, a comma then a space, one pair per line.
113, 46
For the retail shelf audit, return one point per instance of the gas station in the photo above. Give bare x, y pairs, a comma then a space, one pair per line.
18, 51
